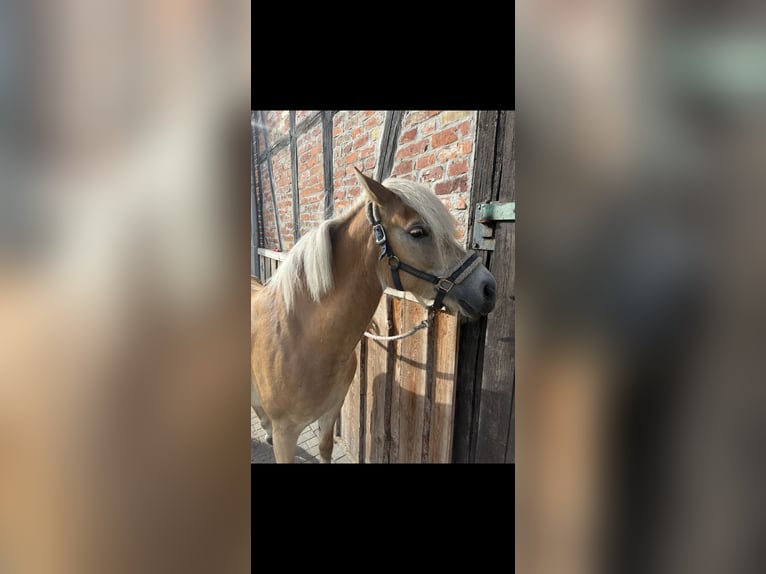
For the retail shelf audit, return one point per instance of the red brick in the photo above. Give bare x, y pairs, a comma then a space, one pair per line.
447, 153
371, 122
443, 187
464, 128
402, 168
369, 163
433, 174
351, 158
465, 147
356, 132
460, 203
408, 136
458, 167
444, 137
369, 150
425, 161
361, 140
459, 184
412, 150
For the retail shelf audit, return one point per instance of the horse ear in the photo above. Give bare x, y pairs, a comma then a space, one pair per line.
375, 190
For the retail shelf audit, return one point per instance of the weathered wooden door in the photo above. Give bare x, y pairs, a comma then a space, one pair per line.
484, 407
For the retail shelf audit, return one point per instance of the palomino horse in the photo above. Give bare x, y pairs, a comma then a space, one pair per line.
306, 322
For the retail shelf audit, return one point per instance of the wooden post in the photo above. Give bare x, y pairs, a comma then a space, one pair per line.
388, 145
253, 201
294, 170
327, 159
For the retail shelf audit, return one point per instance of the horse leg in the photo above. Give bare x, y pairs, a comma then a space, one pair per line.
285, 442
327, 433
327, 421
255, 402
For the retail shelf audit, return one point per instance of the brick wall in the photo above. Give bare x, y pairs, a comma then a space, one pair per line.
356, 143
435, 148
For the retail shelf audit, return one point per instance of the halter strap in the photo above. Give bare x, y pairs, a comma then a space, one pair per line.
443, 284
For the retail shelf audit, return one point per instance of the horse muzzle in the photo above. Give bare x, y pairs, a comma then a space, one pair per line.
477, 295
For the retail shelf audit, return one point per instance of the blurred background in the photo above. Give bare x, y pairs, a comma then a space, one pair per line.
124, 229
640, 177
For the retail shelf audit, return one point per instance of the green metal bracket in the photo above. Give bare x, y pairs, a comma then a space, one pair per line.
487, 214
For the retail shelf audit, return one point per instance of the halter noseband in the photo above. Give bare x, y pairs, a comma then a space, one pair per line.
443, 284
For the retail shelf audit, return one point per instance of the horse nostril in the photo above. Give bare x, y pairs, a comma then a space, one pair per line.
489, 291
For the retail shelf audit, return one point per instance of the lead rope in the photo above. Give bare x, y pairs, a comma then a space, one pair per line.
423, 325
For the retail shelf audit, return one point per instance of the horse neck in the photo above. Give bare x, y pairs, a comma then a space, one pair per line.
357, 292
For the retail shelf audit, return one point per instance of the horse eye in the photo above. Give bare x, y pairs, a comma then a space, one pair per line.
418, 232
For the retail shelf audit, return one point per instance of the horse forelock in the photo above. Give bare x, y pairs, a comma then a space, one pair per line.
430, 208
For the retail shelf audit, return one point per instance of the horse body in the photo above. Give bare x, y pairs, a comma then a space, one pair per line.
303, 342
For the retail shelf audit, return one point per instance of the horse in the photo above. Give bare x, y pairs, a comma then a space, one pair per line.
307, 320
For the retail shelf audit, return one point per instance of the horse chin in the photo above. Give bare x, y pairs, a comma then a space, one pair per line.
467, 310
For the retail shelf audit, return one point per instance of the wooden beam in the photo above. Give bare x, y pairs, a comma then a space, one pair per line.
362, 369
473, 334
430, 379
327, 160
294, 171
270, 167
259, 184
272, 254
497, 381
391, 129
253, 201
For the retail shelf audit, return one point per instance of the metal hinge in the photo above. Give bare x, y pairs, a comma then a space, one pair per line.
484, 222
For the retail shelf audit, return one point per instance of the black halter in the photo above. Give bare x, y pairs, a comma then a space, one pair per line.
443, 284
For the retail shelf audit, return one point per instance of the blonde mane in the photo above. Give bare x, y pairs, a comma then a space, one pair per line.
309, 265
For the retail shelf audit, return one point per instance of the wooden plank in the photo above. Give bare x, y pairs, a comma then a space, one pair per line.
444, 380
350, 415
428, 390
472, 335
499, 361
294, 171
268, 253
391, 129
327, 163
262, 263
361, 370
377, 359
412, 376
395, 319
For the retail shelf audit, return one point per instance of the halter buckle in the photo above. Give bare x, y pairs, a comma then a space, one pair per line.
380, 233
393, 262
445, 285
